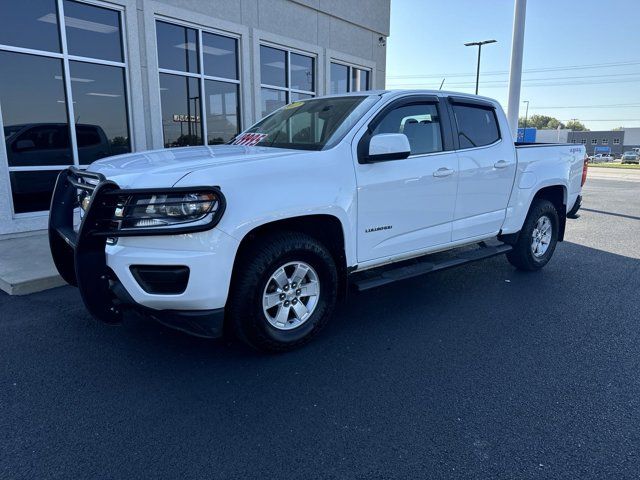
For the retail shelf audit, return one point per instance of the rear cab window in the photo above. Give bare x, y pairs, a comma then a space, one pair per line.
477, 125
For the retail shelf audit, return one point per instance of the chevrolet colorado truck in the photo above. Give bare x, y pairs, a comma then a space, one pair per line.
262, 236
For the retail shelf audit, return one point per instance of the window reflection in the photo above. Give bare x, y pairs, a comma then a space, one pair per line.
30, 24
273, 69
180, 98
272, 100
33, 110
301, 72
339, 78
222, 111
219, 56
177, 47
359, 80
92, 31
100, 109
295, 96
31, 191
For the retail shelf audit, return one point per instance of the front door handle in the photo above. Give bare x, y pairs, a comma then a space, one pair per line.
501, 164
443, 172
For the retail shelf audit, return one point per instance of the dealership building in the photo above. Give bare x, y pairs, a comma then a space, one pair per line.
82, 79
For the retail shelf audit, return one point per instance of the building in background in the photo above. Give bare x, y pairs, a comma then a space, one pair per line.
82, 80
631, 138
607, 141
553, 136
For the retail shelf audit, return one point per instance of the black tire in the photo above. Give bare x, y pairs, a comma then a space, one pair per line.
522, 256
252, 274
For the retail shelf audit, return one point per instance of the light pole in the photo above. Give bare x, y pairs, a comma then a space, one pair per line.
479, 45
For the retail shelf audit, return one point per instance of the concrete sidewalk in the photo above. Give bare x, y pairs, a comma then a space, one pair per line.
26, 265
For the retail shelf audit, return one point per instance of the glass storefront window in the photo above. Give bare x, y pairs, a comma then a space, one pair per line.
346, 78
93, 31
37, 103
302, 72
100, 108
284, 77
30, 24
222, 111
177, 47
186, 120
272, 100
31, 191
339, 79
220, 56
359, 80
181, 117
295, 96
34, 108
273, 69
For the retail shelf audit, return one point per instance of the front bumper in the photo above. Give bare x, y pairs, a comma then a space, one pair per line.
102, 273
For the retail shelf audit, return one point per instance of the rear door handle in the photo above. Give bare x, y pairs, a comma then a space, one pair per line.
443, 172
501, 164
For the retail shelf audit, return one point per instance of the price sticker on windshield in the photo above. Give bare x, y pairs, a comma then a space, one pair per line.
249, 139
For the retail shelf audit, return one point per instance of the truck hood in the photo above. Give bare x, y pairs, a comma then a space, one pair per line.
164, 168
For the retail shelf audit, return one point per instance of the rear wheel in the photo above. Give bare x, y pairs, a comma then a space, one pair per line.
538, 237
284, 291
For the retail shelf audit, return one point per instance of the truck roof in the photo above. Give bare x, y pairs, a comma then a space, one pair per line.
400, 92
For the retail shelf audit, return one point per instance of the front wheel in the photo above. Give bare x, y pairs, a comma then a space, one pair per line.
284, 291
538, 237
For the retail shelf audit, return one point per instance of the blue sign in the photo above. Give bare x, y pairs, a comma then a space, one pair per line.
601, 149
527, 135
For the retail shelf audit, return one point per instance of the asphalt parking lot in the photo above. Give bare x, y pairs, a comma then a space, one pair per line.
477, 372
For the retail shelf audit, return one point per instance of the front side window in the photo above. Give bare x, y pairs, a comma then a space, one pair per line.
305, 125
63, 102
420, 122
347, 78
285, 77
199, 99
477, 125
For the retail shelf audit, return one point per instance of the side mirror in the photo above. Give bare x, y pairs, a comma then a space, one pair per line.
388, 146
22, 145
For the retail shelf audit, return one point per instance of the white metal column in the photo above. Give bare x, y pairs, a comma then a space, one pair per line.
515, 71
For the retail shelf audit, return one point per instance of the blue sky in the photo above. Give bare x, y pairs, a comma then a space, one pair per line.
578, 54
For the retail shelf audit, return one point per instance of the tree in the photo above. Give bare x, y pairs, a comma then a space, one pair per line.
576, 126
617, 129
541, 122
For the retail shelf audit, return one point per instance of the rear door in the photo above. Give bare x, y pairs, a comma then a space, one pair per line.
407, 205
487, 163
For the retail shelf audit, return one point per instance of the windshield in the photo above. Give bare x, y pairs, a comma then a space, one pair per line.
305, 125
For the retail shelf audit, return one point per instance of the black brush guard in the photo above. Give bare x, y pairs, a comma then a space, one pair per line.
80, 255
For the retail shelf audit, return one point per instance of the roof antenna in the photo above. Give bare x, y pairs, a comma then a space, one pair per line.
442, 83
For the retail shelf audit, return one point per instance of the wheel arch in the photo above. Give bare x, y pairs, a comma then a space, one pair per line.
326, 228
557, 194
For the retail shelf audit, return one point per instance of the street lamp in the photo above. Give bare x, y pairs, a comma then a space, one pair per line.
526, 115
479, 45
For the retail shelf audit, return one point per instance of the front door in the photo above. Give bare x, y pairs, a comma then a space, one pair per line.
407, 205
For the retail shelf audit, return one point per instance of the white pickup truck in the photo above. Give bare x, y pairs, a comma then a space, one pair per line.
262, 236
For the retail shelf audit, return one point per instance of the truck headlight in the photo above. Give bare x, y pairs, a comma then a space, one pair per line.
153, 210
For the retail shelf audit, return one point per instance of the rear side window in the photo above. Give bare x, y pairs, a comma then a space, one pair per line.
477, 126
